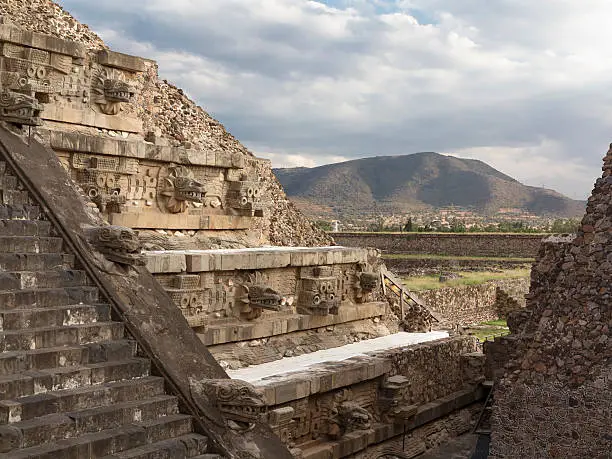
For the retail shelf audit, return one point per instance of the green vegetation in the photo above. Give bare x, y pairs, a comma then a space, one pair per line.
488, 329
558, 226
496, 323
467, 278
323, 225
568, 225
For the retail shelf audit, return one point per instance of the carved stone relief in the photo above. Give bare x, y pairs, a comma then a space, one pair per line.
110, 91
180, 189
241, 405
73, 87
117, 243
318, 293
19, 108
256, 296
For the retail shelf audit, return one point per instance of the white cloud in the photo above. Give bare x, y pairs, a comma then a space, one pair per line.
520, 84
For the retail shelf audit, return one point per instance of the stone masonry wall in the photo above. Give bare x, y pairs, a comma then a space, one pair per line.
432, 266
158, 113
555, 398
475, 245
430, 379
471, 304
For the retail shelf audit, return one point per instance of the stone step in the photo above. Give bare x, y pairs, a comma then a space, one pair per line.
21, 280
54, 427
83, 398
65, 356
34, 382
30, 244
108, 442
167, 427
54, 316
19, 211
35, 261
186, 446
46, 297
15, 362
24, 227
39, 338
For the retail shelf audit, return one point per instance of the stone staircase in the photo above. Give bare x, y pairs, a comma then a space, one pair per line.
72, 384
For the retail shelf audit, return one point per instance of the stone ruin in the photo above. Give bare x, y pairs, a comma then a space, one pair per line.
555, 398
109, 350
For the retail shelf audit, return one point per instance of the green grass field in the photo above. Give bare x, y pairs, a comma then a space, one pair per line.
487, 329
467, 278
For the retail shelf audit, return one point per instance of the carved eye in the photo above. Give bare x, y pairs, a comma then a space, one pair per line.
331, 287
126, 235
244, 201
250, 192
323, 288
105, 234
256, 192
316, 300
331, 296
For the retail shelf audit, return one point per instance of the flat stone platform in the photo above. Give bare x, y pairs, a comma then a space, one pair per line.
257, 374
198, 261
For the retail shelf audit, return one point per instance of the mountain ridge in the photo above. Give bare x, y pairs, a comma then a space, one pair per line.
418, 181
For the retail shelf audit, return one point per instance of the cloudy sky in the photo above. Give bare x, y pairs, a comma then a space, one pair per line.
523, 85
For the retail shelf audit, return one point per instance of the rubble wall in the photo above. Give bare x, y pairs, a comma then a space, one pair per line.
308, 405
473, 245
471, 304
554, 399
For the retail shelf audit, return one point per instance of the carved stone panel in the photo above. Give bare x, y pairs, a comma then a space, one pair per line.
318, 292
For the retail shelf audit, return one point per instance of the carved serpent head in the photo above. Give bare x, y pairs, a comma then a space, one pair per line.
19, 108
117, 243
238, 401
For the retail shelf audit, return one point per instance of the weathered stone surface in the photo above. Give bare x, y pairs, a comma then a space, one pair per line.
124, 100
557, 368
484, 245
144, 307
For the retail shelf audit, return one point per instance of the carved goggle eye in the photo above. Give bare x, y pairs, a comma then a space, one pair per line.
316, 300
126, 235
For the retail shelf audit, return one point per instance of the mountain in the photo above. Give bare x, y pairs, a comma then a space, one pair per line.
420, 181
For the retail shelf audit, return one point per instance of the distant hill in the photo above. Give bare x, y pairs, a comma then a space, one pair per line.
420, 181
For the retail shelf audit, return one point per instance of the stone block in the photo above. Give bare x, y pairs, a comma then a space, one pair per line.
121, 61
280, 415
291, 389
324, 451
13, 34
223, 159
158, 263
201, 262
91, 118
304, 258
